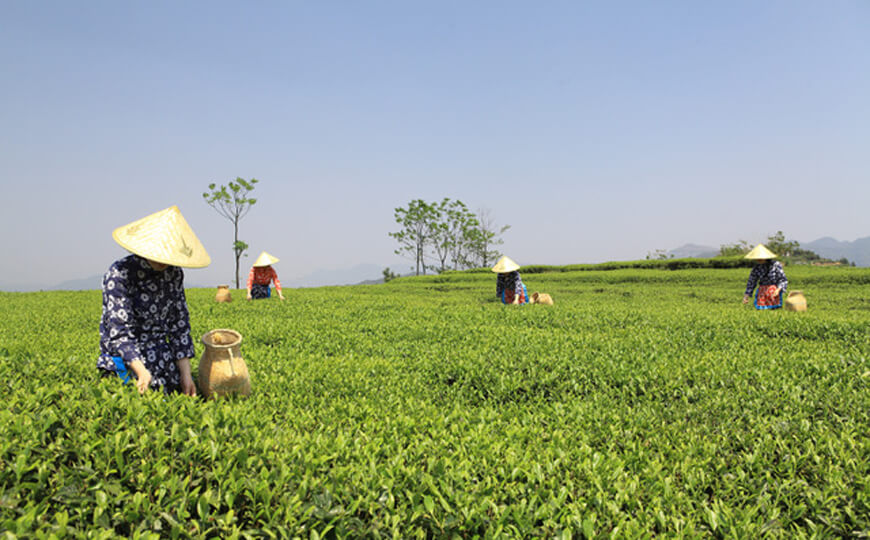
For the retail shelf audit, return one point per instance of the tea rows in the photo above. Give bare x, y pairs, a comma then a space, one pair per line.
644, 402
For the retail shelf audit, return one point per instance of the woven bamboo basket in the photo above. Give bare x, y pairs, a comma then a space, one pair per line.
223, 294
796, 301
542, 298
222, 370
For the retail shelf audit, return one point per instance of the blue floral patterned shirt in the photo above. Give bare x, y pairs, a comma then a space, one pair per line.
768, 273
145, 318
508, 285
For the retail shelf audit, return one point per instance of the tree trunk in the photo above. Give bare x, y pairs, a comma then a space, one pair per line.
420, 259
235, 250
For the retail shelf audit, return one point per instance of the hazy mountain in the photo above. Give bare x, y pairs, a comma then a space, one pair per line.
84, 284
343, 276
693, 250
857, 251
380, 280
340, 276
371, 282
8, 287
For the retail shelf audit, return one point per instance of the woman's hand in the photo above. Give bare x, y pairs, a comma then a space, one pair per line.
776, 292
143, 376
281, 296
187, 386
745, 298
143, 382
249, 295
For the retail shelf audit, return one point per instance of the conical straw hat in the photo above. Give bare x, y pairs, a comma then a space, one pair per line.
163, 237
265, 259
505, 264
760, 252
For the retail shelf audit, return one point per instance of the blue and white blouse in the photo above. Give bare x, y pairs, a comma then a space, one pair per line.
767, 273
145, 318
508, 285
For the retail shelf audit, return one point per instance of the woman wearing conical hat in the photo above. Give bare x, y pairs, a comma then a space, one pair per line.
508, 286
145, 326
769, 276
261, 276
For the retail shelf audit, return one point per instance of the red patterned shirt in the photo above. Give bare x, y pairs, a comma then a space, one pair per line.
263, 275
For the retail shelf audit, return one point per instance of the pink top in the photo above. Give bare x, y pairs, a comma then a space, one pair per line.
263, 275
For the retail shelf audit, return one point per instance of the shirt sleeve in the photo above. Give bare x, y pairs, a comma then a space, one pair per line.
178, 323
275, 279
520, 289
118, 321
753, 279
781, 280
250, 279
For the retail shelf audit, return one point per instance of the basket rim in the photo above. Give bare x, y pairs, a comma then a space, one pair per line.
221, 345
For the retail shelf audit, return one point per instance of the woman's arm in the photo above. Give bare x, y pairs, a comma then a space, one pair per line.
187, 386
118, 321
754, 275
519, 289
277, 284
250, 281
781, 280
750, 284
178, 331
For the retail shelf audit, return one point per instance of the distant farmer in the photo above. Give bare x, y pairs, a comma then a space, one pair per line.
261, 276
145, 326
769, 276
509, 287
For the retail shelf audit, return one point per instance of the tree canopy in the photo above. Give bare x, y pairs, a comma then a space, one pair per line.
445, 235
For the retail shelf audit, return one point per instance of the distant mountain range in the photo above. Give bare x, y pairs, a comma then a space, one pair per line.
693, 250
341, 276
857, 251
361, 273
84, 284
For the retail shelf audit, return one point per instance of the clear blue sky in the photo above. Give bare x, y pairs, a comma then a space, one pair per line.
597, 130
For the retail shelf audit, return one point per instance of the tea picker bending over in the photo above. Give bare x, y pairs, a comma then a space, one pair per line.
509, 286
769, 275
145, 325
261, 276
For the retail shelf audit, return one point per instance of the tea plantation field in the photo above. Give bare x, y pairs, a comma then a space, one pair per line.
645, 403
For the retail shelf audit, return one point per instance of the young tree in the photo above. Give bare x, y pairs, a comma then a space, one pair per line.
464, 230
418, 222
741, 247
658, 255
232, 202
389, 275
439, 237
452, 233
487, 236
778, 244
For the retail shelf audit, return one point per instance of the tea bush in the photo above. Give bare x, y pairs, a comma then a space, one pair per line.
645, 402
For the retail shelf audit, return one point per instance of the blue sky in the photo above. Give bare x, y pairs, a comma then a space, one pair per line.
597, 130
